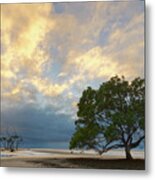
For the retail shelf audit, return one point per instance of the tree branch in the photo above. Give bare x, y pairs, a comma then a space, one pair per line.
130, 135
135, 144
116, 146
122, 133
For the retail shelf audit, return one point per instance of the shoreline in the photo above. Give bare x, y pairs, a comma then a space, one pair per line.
46, 152
52, 158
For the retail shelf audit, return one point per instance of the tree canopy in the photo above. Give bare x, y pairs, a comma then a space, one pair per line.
111, 117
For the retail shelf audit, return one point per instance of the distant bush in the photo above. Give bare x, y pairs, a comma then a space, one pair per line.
10, 142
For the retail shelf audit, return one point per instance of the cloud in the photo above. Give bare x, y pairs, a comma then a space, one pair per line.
41, 51
47, 88
24, 27
24, 58
36, 125
62, 74
94, 64
121, 53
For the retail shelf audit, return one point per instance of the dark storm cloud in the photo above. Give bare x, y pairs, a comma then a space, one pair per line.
36, 125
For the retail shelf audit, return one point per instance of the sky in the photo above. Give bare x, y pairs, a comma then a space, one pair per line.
51, 52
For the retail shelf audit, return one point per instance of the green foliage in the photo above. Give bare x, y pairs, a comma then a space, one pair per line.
112, 116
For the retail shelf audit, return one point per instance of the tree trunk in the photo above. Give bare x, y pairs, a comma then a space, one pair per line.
128, 153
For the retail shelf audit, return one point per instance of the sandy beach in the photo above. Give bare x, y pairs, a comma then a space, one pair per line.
52, 158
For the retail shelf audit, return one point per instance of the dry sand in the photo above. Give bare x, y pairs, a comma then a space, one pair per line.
50, 158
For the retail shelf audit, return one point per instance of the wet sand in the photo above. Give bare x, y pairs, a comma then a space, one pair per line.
46, 158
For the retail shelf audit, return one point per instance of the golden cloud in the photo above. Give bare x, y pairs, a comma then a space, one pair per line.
23, 28
123, 52
93, 64
46, 88
27, 29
